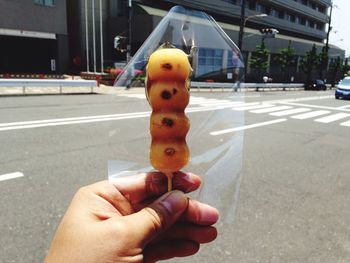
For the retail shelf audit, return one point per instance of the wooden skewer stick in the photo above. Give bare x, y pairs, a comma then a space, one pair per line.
170, 181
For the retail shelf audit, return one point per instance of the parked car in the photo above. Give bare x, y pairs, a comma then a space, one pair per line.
342, 90
316, 84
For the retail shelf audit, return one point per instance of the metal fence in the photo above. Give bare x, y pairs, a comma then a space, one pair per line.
245, 86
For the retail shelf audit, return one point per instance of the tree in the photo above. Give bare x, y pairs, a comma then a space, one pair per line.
259, 60
286, 59
307, 64
322, 62
334, 70
345, 68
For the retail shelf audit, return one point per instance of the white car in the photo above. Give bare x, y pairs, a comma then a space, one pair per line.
342, 90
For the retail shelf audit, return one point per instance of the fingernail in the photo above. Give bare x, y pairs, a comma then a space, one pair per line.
188, 177
188, 180
208, 216
175, 202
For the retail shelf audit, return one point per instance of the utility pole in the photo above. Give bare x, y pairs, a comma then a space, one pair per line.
325, 58
128, 47
101, 36
87, 37
329, 28
93, 34
241, 27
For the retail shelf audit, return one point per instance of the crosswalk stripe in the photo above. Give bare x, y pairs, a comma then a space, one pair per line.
277, 108
333, 117
254, 107
347, 123
289, 112
202, 100
250, 126
263, 107
217, 103
343, 107
138, 96
212, 102
247, 104
310, 114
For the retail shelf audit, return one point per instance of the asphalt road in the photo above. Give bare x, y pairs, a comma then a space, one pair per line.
274, 163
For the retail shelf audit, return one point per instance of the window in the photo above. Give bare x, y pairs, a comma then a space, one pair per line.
261, 8
209, 60
281, 15
275, 12
320, 26
252, 5
290, 18
44, 2
321, 9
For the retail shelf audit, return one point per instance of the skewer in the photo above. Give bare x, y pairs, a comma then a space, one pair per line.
169, 175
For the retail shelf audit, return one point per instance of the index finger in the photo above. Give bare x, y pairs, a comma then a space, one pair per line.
140, 187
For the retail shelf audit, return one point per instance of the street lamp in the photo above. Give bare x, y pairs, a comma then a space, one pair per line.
243, 23
249, 17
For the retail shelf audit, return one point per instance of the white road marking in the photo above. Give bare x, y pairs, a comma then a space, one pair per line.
310, 114
289, 112
314, 106
10, 176
242, 95
232, 103
137, 96
347, 123
312, 98
92, 119
50, 124
215, 133
333, 117
277, 108
205, 105
70, 119
260, 106
343, 107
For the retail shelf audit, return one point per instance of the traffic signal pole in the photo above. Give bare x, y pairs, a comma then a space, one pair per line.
128, 47
242, 24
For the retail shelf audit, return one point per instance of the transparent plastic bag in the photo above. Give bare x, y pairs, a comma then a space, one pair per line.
217, 58
215, 140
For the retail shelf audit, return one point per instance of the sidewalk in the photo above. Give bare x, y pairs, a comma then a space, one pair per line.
102, 89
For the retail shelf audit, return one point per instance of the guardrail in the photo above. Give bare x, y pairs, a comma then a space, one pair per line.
246, 86
40, 83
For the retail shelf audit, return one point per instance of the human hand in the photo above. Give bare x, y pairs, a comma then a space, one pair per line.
133, 219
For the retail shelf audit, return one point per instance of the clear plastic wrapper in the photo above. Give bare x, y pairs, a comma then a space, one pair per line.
215, 140
215, 56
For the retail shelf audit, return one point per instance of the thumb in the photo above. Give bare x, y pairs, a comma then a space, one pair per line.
154, 219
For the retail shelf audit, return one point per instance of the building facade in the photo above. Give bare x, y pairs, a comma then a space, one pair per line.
303, 23
49, 36
33, 36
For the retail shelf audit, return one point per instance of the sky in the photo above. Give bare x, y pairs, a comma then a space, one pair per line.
340, 34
